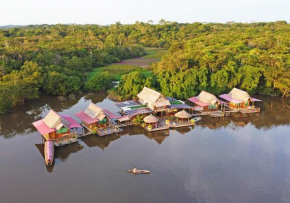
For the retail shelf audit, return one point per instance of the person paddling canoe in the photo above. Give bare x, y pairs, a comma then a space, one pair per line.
134, 170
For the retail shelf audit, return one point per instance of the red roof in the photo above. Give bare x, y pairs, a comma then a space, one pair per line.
73, 123
42, 127
230, 99
110, 114
198, 102
85, 118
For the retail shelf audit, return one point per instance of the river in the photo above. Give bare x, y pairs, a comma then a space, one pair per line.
234, 159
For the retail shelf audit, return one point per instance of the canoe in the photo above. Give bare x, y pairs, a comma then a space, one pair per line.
196, 119
48, 152
139, 171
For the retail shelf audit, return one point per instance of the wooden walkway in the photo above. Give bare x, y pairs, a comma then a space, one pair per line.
101, 132
219, 114
179, 125
156, 129
69, 139
124, 125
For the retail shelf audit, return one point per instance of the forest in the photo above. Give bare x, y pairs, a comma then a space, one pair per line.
58, 59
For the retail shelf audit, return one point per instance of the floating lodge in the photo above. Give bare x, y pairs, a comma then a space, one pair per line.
152, 111
62, 129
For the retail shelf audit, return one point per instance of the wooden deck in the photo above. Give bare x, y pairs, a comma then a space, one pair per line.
163, 127
215, 114
172, 125
65, 140
219, 114
108, 131
251, 109
201, 114
124, 124
179, 125
102, 132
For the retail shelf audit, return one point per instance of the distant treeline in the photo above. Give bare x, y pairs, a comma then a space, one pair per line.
215, 57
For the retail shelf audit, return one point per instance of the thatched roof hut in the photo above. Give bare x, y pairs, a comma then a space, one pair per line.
207, 97
95, 112
183, 114
239, 94
153, 98
150, 119
53, 120
204, 99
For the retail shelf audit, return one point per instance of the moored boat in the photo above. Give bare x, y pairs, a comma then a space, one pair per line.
139, 171
196, 119
49, 152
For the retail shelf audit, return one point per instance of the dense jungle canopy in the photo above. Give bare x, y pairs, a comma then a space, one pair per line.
56, 59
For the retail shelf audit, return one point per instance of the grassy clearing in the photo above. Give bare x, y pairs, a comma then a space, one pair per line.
127, 66
118, 70
155, 53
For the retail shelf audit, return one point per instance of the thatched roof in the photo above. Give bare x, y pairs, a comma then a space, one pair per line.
207, 97
53, 120
152, 97
148, 95
162, 101
94, 112
239, 94
150, 119
183, 114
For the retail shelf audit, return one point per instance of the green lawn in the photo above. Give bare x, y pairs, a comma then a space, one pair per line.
118, 69
155, 53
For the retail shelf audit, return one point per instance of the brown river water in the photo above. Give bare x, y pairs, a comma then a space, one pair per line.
234, 159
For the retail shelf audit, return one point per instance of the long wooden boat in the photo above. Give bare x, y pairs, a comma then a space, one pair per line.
49, 152
139, 171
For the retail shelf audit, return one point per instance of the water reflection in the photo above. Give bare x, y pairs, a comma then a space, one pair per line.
20, 121
101, 142
158, 136
274, 112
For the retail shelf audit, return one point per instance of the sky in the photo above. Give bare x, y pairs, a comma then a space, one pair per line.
104, 12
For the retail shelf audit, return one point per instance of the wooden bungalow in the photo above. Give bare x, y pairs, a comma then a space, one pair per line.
239, 99
95, 116
59, 128
205, 101
154, 100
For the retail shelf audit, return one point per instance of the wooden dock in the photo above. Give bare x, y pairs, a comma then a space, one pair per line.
219, 114
201, 114
215, 114
179, 125
163, 127
102, 132
124, 125
68, 139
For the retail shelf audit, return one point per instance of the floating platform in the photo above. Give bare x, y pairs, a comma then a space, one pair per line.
219, 114
179, 125
156, 128
102, 132
65, 140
